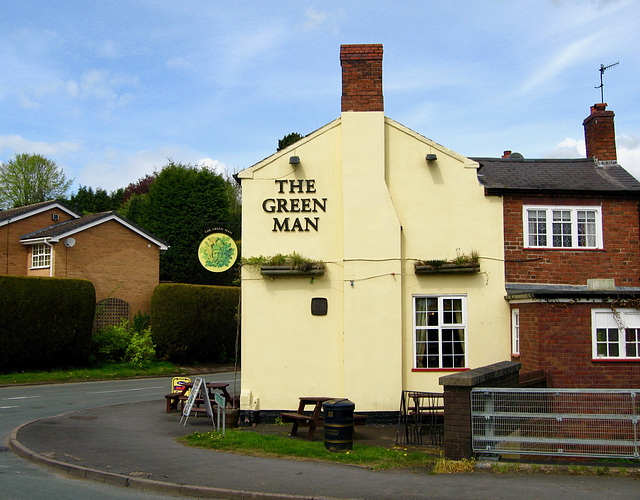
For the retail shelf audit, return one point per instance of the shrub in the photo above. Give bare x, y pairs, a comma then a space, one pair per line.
45, 322
124, 343
194, 323
110, 343
141, 322
140, 350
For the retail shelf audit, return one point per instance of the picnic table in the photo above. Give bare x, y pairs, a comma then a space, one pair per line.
179, 397
313, 417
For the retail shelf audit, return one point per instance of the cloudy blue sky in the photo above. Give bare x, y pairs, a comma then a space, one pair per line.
110, 89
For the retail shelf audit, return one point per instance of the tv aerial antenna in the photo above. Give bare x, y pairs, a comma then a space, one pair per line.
603, 68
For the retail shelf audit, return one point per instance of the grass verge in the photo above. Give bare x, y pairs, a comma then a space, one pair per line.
103, 372
253, 443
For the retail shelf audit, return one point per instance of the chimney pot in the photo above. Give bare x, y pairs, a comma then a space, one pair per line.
506, 154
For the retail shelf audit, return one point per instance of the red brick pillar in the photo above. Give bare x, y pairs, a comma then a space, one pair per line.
600, 134
457, 403
361, 77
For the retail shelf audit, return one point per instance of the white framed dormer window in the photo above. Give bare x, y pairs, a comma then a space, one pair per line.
515, 332
40, 256
615, 334
440, 332
562, 227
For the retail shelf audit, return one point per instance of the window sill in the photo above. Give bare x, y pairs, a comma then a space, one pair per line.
563, 249
440, 369
615, 360
36, 268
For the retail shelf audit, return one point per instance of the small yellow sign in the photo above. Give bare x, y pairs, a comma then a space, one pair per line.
217, 252
177, 384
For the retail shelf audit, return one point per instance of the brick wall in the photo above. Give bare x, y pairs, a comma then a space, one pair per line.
556, 337
361, 77
619, 260
119, 262
14, 257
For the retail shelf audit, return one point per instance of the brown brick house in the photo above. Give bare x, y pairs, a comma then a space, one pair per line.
572, 261
118, 257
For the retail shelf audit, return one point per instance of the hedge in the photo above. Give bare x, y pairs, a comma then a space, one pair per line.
45, 323
194, 323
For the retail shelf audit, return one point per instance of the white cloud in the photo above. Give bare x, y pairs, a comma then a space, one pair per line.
569, 148
108, 49
14, 144
104, 86
576, 52
214, 165
178, 63
313, 19
629, 153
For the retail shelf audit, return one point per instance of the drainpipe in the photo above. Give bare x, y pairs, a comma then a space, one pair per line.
8, 229
50, 258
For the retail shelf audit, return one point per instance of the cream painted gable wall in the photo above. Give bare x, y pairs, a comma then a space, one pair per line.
384, 207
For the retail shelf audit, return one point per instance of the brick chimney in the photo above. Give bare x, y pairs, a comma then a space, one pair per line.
600, 134
361, 77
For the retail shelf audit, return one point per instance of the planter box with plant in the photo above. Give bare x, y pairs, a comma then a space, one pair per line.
286, 266
461, 264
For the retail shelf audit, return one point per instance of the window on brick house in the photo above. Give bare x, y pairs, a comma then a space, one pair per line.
562, 227
440, 332
615, 333
515, 332
40, 256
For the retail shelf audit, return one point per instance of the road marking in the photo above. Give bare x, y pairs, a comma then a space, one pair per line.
127, 390
24, 397
6, 407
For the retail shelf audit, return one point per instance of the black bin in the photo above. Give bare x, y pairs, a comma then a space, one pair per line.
338, 424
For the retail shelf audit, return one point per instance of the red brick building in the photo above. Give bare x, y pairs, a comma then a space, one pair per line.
118, 257
572, 261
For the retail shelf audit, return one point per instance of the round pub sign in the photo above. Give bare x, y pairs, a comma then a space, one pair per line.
217, 252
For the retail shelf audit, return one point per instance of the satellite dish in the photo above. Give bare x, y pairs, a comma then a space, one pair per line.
69, 242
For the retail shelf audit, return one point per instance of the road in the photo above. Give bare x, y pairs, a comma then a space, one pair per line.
20, 479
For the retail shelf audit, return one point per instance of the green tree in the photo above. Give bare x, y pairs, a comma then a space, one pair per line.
31, 178
89, 202
182, 204
288, 140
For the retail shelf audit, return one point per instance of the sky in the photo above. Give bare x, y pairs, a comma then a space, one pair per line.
111, 90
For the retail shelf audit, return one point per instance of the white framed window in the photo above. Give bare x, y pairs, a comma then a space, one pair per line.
515, 332
440, 332
40, 256
562, 227
615, 333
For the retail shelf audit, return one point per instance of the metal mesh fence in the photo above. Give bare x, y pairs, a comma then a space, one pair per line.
571, 422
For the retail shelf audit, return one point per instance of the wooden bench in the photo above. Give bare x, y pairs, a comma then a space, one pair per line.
172, 401
301, 420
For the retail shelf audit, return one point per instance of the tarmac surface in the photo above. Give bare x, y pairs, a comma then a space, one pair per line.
135, 446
